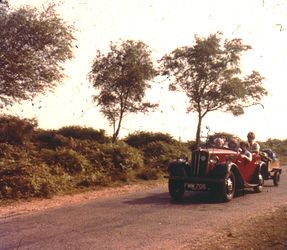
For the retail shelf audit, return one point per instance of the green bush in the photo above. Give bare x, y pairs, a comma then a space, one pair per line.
50, 139
67, 159
92, 179
84, 133
278, 146
20, 179
12, 152
119, 161
16, 131
141, 138
149, 174
159, 153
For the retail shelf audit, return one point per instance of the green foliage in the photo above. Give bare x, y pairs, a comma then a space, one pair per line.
149, 174
142, 138
209, 73
23, 179
67, 159
4, 5
14, 130
84, 133
158, 149
52, 163
278, 146
93, 179
33, 46
122, 76
50, 139
119, 161
158, 153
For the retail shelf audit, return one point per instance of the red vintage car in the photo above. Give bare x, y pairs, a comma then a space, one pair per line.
222, 170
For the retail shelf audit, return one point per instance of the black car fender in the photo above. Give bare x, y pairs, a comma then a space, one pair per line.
220, 171
177, 168
258, 171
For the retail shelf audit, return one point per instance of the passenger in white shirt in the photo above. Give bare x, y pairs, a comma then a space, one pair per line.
254, 146
244, 151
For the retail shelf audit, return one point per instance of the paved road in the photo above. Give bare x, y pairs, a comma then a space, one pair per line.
142, 220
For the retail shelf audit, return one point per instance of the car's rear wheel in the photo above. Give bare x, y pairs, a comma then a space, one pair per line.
276, 178
228, 188
176, 189
260, 182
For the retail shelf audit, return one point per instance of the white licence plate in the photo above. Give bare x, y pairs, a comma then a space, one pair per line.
197, 187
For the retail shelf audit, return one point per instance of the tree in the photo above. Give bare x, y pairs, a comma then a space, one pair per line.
209, 73
4, 5
34, 44
122, 76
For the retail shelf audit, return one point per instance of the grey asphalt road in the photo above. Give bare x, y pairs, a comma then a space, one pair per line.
142, 220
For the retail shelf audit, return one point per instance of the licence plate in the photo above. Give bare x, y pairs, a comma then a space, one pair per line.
196, 187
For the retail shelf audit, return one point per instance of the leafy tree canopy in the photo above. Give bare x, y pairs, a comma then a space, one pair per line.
4, 5
122, 76
34, 44
209, 73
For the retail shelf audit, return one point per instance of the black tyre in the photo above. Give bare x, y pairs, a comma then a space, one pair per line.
176, 189
276, 178
264, 171
259, 182
228, 188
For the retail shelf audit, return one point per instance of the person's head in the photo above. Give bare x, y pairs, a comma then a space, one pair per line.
244, 145
250, 137
233, 144
219, 142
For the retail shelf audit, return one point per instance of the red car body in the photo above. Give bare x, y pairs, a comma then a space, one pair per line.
222, 170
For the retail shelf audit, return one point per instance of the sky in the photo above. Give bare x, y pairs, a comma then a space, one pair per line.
165, 25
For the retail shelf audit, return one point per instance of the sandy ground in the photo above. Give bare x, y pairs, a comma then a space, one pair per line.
267, 231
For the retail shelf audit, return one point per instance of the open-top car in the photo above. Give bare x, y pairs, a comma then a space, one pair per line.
222, 170
271, 168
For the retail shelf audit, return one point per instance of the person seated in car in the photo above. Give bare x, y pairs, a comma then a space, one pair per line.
245, 153
233, 144
254, 147
218, 142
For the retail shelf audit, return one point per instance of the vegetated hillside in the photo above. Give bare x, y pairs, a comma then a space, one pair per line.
41, 163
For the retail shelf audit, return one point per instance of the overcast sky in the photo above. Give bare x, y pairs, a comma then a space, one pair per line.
165, 25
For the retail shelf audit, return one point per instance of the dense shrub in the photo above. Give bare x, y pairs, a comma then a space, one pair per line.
142, 138
149, 174
278, 146
67, 159
119, 161
159, 153
22, 179
12, 152
84, 133
16, 131
93, 178
50, 139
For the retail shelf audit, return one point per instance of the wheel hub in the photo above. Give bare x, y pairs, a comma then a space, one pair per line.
229, 185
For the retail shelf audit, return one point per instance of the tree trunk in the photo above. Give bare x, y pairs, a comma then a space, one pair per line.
116, 133
197, 139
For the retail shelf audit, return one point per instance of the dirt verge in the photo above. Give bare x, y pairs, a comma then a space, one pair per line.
267, 231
